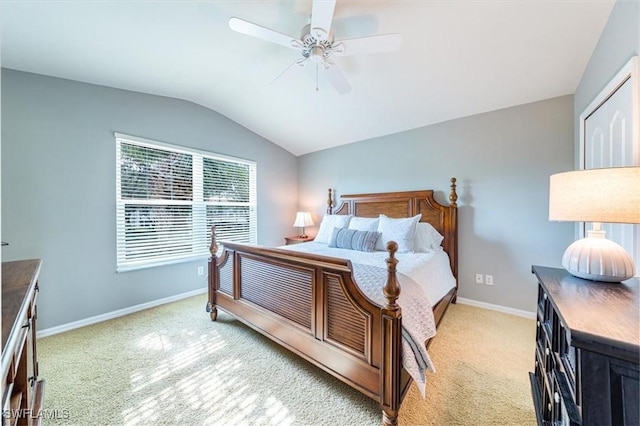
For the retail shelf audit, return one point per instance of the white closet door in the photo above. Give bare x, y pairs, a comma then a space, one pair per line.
609, 131
610, 139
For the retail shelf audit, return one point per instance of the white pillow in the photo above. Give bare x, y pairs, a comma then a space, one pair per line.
329, 222
402, 231
427, 238
364, 223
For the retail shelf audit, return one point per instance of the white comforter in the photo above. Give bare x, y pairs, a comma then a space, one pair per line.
424, 279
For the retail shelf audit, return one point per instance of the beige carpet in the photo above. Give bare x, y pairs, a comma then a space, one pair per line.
171, 365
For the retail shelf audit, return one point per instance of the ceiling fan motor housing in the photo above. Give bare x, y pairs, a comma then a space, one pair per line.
316, 48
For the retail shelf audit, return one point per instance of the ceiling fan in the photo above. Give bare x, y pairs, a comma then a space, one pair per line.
317, 45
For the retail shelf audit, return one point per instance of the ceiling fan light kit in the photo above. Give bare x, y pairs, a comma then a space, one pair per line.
317, 45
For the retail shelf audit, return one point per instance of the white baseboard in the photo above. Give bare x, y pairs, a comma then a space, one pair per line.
126, 311
115, 314
499, 308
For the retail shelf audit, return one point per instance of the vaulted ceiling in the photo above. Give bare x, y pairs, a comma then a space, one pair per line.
457, 58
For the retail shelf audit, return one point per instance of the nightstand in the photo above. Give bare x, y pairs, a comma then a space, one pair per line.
297, 240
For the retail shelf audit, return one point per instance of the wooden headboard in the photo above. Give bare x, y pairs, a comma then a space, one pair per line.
442, 217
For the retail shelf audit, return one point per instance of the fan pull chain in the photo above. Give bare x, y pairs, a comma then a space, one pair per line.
317, 77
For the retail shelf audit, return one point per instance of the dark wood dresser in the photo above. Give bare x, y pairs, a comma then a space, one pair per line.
587, 351
22, 391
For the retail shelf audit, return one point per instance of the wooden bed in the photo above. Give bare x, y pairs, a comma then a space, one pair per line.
311, 305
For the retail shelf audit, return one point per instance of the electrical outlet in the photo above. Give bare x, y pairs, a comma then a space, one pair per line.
200, 270
488, 279
479, 279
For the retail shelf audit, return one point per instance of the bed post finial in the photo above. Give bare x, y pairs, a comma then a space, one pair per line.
330, 203
453, 197
392, 287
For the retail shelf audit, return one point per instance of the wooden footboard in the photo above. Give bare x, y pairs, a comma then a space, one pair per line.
311, 305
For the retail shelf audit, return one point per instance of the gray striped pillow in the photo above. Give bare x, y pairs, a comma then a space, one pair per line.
353, 239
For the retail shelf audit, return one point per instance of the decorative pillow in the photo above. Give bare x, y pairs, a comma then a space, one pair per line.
353, 239
402, 231
364, 223
427, 238
329, 222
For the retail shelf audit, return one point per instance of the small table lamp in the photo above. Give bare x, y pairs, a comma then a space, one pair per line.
610, 195
303, 219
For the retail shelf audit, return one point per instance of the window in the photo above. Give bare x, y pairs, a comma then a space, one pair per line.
168, 197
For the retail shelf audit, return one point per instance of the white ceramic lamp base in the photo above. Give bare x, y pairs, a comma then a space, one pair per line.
599, 259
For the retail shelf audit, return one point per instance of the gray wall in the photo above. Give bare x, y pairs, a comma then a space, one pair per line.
58, 188
619, 42
502, 161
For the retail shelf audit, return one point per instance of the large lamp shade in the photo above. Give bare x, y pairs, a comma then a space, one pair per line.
610, 195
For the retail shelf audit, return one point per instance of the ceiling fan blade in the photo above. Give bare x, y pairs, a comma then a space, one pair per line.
321, 17
291, 69
364, 45
336, 78
254, 30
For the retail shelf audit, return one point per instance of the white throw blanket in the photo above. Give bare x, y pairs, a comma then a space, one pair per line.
418, 323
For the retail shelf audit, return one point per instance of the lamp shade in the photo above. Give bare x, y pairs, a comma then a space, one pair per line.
609, 195
303, 219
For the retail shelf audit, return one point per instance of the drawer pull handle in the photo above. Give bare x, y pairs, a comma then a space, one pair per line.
549, 407
538, 323
546, 351
544, 296
556, 397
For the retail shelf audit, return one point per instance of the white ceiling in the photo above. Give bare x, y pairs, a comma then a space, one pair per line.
457, 58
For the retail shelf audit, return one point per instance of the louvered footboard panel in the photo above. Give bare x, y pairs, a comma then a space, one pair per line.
226, 277
284, 290
346, 325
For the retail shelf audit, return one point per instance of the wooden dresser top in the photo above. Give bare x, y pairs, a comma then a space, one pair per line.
18, 279
604, 315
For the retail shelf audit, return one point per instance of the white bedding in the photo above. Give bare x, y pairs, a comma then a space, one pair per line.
424, 279
430, 270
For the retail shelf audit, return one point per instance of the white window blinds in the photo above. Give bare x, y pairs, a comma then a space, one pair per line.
167, 198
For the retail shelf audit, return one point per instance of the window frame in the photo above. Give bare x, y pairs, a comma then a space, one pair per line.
199, 230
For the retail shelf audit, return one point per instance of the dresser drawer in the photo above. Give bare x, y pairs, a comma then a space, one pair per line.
568, 359
548, 316
23, 334
33, 312
541, 337
565, 410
